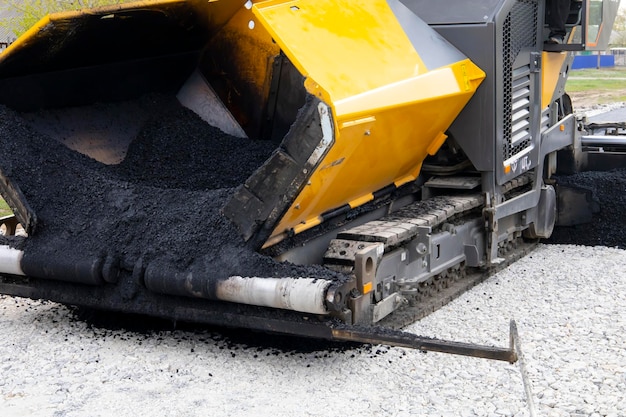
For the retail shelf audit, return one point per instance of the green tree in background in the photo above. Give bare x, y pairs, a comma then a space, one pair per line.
30, 11
619, 29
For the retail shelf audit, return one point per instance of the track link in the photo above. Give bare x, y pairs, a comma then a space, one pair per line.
398, 228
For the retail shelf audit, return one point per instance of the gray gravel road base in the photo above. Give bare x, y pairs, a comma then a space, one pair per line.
569, 303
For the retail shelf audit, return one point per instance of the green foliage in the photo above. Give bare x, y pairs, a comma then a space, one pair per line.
4, 208
606, 84
619, 29
617, 72
599, 85
31, 11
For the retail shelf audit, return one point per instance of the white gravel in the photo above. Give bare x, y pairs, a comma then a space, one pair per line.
599, 110
569, 303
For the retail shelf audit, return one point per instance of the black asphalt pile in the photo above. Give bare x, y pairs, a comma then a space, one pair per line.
178, 150
162, 203
608, 226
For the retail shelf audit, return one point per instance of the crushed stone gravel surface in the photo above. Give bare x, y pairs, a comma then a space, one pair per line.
569, 302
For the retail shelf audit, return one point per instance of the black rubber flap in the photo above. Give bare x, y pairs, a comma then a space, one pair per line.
259, 204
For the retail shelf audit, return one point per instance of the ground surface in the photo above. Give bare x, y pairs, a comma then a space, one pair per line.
585, 101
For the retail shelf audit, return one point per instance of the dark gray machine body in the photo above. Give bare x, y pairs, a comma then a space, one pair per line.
504, 39
503, 130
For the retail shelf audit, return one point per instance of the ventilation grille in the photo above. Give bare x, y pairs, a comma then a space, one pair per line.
523, 26
519, 32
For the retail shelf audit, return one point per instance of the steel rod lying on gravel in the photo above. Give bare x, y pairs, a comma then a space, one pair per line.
409, 340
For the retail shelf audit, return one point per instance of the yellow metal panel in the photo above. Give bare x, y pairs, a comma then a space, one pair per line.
423, 87
389, 110
552, 63
386, 147
345, 47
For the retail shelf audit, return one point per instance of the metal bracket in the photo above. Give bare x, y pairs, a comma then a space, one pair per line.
387, 306
535, 62
365, 266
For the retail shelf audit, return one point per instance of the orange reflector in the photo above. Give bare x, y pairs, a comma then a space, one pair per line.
367, 288
507, 169
562, 128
